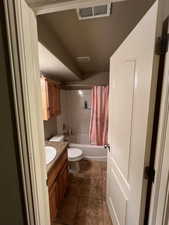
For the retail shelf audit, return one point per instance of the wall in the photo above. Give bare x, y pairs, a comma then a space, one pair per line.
166, 9
49, 39
74, 115
52, 66
50, 127
97, 79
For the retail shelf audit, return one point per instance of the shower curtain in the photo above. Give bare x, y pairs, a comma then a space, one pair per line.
98, 132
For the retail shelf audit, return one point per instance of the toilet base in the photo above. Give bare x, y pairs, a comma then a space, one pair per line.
74, 167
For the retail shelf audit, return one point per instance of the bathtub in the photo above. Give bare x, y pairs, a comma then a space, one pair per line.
91, 152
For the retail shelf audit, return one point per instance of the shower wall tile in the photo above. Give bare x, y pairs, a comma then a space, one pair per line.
62, 118
74, 115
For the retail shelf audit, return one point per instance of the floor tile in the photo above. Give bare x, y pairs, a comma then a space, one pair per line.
67, 212
90, 212
106, 216
84, 203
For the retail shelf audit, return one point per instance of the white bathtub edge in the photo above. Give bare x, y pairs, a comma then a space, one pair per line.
102, 159
98, 153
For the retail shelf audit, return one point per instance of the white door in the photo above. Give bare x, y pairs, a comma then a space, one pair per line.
132, 88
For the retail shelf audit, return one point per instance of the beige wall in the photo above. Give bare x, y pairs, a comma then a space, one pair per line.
50, 127
163, 14
97, 79
49, 39
166, 8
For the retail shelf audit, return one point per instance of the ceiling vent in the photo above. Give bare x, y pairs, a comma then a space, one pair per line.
95, 11
83, 59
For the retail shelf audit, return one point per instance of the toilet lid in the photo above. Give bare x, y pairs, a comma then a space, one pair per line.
74, 154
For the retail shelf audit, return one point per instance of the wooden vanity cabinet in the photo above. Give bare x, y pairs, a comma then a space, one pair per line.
50, 98
57, 184
54, 200
63, 181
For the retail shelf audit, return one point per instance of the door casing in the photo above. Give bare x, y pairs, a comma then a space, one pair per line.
14, 17
23, 45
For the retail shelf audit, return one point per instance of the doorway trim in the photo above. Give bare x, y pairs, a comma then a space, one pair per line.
34, 173
160, 132
162, 48
22, 108
51, 7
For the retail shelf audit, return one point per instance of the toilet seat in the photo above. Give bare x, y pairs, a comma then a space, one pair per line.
74, 154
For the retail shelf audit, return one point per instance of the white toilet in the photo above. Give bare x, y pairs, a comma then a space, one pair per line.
74, 155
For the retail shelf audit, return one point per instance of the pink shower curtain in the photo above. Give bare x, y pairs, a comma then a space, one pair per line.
99, 115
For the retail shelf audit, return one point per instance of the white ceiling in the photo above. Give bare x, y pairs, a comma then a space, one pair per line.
53, 67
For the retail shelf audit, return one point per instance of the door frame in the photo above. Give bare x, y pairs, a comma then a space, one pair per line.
34, 190
44, 8
160, 129
16, 46
161, 49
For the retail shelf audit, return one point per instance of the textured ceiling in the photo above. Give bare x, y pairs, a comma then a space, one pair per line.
96, 38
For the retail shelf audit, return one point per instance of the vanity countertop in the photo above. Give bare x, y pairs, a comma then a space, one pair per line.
60, 147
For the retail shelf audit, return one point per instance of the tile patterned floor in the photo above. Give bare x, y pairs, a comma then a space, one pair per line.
84, 204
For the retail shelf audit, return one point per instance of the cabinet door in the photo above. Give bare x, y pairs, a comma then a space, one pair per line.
63, 181
51, 99
57, 195
53, 202
58, 108
65, 178
54, 99
45, 102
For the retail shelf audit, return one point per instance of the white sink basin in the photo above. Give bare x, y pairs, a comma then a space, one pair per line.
50, 153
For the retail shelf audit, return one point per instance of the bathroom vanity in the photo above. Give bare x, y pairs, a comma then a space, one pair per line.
57, 181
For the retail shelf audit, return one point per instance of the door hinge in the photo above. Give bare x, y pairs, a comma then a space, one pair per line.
162, 45
149, 173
